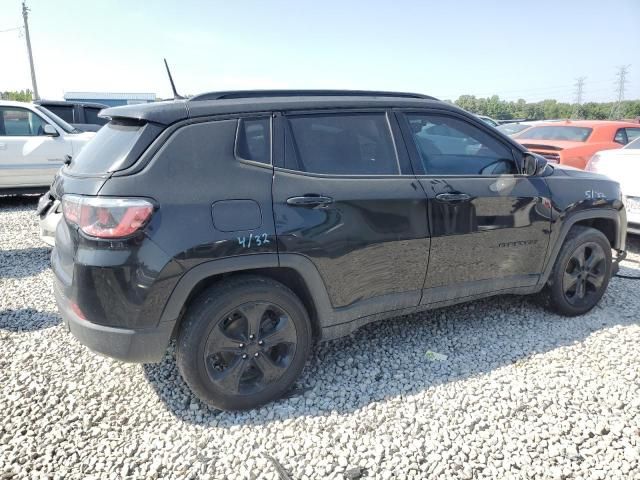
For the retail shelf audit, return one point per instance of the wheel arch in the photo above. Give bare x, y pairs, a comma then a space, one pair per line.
292, 270
605, 220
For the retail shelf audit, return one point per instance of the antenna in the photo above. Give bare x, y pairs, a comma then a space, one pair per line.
176, 95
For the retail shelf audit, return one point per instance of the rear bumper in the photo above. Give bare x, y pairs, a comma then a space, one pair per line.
128, 345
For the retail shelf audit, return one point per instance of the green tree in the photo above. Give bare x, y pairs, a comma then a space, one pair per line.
21, 96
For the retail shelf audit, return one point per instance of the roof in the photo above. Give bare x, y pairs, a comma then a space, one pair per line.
587, 123
64, 102
11, 103
109, 96
175, 110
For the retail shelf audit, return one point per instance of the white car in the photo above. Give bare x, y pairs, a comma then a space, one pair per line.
34, 144
623, 166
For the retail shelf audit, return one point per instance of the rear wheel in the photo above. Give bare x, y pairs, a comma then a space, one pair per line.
243, 342
581, 273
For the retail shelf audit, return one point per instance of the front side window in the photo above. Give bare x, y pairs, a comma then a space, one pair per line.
341, 144
20, 122
254, 139
451, 146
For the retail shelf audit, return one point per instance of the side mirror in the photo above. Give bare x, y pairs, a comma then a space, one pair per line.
49, 131
534, 164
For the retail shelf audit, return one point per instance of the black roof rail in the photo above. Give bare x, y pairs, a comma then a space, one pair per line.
233, 94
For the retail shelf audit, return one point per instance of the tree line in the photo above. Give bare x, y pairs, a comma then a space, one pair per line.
547, 109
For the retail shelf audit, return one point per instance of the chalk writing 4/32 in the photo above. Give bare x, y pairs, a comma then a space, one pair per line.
254, 240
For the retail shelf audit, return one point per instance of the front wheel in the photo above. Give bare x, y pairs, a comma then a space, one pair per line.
243, 343
581, 273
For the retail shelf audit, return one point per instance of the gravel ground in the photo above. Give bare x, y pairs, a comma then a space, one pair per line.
522, 393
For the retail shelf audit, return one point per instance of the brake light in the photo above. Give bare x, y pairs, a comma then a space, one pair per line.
107, 217
592, 165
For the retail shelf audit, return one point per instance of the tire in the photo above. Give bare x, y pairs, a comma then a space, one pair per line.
579, 261
222, 363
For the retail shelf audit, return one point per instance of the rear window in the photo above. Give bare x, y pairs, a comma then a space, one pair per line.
108, 150
557, 132
65, 112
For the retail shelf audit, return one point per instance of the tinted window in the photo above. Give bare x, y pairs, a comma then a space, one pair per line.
571, 134
632, 134
341, 144
450, 146
621, 137
254, 139
634, 145
65, 112
91, 116
107, 150
57, 120
20, 122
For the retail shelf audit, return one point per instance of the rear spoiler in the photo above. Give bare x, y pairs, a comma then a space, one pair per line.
543, 147
164, 113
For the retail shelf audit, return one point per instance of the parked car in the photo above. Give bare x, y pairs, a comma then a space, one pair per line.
489, 120
573, 142
514, 128
623, 165
82, 115
33, 146
249, 225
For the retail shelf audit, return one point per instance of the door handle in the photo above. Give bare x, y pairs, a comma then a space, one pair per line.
453, 197
309, 201
3, 146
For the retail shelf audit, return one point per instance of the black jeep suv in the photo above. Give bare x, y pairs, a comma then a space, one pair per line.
248, 225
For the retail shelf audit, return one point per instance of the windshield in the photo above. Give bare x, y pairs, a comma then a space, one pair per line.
57, 120
557, 132
635, 145
512, 128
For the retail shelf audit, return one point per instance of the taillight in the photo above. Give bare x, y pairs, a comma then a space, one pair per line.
106, 217
592, 165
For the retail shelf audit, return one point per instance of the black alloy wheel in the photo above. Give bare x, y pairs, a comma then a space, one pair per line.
584, 274
250, 347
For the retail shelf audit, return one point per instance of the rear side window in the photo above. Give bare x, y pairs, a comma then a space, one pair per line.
621, 137
107, 151
451, 146
253, 141
632, 134
341, 144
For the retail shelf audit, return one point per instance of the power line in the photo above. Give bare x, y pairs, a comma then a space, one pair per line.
11, 29
578, 98
622, 81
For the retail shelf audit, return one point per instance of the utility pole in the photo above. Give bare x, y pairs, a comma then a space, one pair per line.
25, 15
579, 91
622, 80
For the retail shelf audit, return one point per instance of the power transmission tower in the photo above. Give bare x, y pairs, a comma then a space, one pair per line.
616, 110
25, 15
578, 99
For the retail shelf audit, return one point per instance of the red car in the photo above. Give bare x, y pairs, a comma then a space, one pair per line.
573, 142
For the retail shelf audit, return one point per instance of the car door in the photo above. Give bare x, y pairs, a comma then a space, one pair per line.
489, 223
28, 157
345, 198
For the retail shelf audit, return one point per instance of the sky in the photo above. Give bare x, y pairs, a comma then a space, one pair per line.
445, 48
